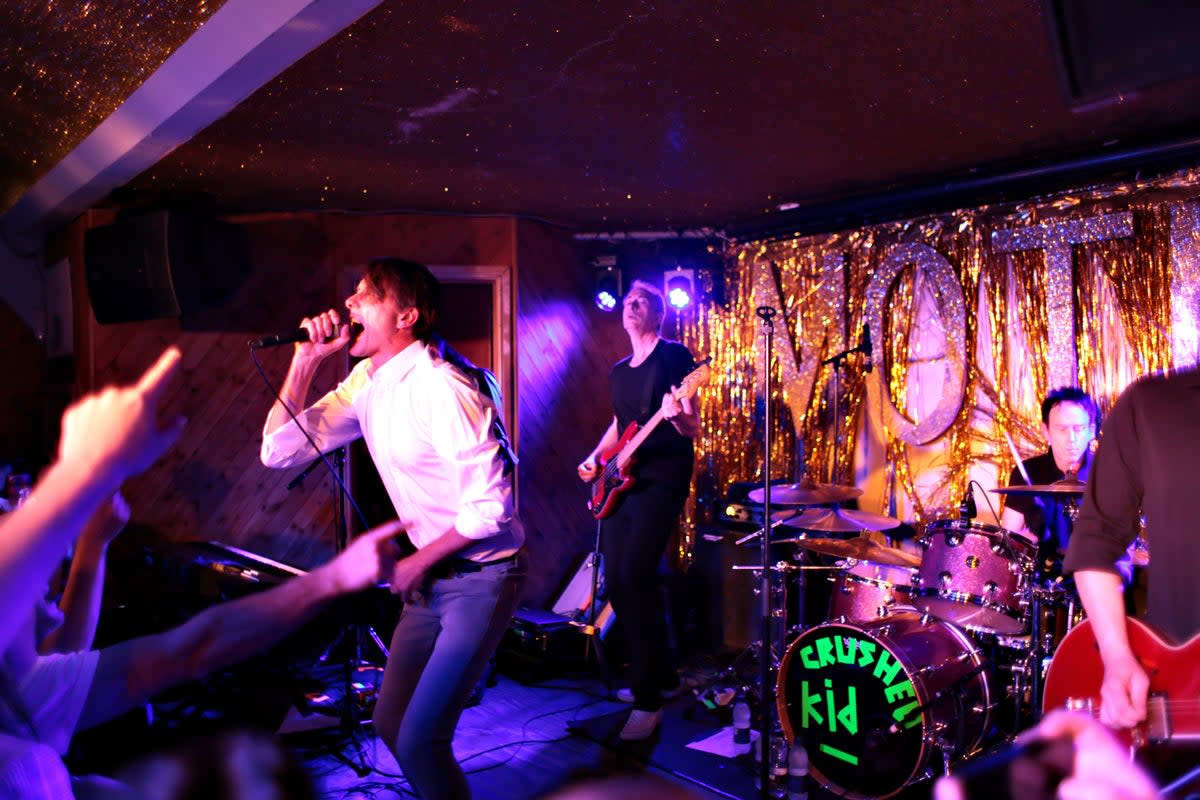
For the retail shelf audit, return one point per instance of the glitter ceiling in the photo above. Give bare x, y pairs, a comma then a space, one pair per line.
603, 116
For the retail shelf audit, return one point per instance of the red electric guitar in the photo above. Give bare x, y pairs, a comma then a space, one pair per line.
615, 477
1173, 707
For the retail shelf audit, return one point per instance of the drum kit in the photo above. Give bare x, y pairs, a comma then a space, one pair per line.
924, 660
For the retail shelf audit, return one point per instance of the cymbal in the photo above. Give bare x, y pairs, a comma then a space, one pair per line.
842, 520
806, 493
862, 550
1067, 487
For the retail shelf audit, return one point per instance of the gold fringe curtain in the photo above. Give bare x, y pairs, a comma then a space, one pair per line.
1134, 272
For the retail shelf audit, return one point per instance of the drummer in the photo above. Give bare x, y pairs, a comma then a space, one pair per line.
1070, 419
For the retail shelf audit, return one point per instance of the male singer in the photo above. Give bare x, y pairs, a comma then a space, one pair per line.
436, 441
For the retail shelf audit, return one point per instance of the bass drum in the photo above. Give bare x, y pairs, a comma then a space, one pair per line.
872, 702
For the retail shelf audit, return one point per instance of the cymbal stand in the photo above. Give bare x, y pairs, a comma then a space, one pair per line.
773, 745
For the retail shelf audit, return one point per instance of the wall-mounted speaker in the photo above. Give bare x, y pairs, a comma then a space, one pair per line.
163, 264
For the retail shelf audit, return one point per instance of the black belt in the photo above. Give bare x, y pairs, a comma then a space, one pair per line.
466, 565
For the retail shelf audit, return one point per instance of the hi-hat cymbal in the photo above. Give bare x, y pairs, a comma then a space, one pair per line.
862, 550
806, 493
842, 520
1067, 487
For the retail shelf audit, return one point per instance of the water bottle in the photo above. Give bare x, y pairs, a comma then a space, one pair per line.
741, 720
797, 781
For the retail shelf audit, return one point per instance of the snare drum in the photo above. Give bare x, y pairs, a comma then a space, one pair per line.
866, 590
872, 702
975, 575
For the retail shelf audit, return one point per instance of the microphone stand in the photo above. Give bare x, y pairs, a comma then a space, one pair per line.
771, 747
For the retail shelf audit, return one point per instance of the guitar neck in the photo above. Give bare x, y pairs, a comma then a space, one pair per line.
633, 444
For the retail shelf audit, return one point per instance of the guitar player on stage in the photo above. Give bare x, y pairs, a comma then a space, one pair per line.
635, 536
1146, 464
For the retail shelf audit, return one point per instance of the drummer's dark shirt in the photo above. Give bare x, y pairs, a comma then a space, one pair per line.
1149, 462
1046, 517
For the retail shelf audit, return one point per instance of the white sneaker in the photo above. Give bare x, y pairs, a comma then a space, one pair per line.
626, 695
640, 725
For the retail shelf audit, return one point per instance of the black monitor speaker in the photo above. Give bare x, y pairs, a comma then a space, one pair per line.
1106, 48
163, 264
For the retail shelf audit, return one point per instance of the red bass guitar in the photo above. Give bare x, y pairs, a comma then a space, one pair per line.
1173, 706
616, 476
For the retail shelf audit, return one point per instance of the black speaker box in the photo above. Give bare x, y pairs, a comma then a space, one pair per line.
163, 264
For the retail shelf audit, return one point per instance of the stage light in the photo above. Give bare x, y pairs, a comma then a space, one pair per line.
608, 283
679, 286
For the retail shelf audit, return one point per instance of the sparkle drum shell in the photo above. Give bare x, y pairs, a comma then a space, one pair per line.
975, 575
867, 590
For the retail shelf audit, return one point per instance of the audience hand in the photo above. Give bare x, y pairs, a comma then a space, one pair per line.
368, 560
117, 432
1100, 767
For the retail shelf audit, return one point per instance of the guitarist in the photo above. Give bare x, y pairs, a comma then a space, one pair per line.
635, 536
1146, 464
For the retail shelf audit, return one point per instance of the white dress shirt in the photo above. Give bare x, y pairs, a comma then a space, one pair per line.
428, 429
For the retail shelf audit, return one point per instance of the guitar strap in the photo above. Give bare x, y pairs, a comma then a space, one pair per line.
651, 382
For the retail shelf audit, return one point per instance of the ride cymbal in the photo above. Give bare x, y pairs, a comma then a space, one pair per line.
806, 493
1066, 487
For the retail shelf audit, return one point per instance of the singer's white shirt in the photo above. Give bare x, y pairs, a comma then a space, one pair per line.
428, 429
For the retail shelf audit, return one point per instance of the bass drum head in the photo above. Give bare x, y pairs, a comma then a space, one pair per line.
868, 700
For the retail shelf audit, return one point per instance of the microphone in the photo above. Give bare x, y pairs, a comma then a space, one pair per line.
298, 335
967, 509
864, 347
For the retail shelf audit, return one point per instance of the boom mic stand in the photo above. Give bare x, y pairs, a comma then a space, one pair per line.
773, 760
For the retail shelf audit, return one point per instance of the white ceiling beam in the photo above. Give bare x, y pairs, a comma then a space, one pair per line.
239, 49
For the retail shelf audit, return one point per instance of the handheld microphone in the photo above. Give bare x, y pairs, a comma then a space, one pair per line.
298, 335
864, 346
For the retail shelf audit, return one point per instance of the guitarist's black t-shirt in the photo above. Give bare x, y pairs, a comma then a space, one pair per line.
637, 394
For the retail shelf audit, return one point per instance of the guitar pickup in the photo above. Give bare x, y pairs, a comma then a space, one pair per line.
1158, 720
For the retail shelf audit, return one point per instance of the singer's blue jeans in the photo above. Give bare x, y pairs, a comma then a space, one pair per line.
439, 650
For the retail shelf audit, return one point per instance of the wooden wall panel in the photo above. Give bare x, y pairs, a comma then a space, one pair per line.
565, 347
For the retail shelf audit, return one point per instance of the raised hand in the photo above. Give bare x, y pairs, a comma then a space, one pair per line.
119, 431
368, 560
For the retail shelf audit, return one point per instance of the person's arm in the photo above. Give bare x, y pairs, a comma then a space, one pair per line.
132, 672
588, 468
106, 437
331, 421
1123, 690
84, 592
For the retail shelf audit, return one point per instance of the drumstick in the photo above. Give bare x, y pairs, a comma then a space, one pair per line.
1020, 465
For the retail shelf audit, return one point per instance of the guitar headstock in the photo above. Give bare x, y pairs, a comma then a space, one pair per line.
692, 382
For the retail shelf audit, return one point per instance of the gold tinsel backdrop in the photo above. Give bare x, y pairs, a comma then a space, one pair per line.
975, 315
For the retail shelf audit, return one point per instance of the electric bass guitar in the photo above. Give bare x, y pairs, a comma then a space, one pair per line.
1173, 706
616, 475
